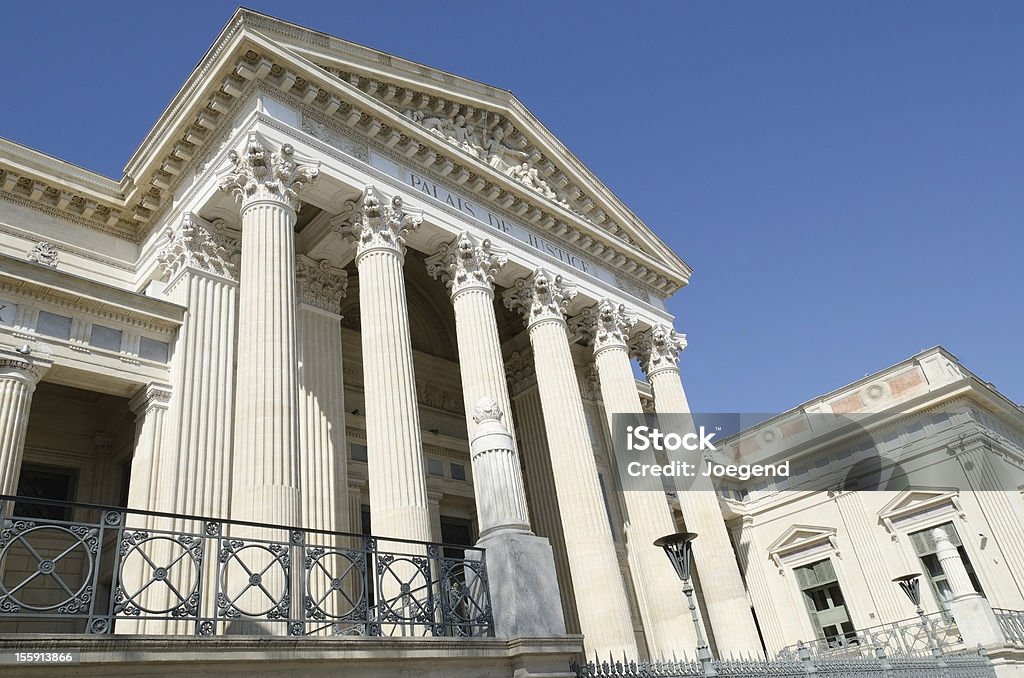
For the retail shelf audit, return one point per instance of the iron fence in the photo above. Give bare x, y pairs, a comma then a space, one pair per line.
907, 637
81, 568
1012, 624
878, 665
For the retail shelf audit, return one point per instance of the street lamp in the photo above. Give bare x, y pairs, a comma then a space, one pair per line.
679, 549
911, 585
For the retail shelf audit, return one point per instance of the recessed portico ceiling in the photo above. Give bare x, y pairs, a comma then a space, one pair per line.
474, 136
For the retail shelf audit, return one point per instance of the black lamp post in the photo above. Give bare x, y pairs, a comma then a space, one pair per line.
679, 549
911, 585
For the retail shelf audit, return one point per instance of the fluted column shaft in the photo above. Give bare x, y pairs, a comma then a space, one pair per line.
18, 378
952, 566
728, 607
752, 559
667, 624
467, 266
265, 469
266, 473
600, 591
888, 601
398, 491
150, 408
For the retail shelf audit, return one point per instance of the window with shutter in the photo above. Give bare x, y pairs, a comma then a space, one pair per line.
825, 603
923, 542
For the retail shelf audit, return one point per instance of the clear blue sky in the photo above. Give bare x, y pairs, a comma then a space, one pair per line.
846, 179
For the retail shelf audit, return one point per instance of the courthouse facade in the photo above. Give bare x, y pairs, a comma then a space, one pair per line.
325, 271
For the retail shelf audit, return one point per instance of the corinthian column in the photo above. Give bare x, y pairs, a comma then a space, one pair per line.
19, 375
600, 592
398, 492
265, 469
467, 266
323, 472
725, 596
189, 470
667, 626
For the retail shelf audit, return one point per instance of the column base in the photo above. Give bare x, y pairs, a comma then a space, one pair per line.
524, 588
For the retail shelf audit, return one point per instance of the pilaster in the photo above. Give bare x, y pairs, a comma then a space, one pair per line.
19, 374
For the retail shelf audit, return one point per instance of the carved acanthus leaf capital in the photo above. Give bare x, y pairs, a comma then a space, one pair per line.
487, 410
658, 349
257, 175
466, 263
605, 324
321, 285
21, 365
519, 371
539, 297
201, 245
373, 225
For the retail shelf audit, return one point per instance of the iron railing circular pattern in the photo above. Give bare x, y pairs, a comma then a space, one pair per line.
341, 575
165, 572
20, 534
212, 574
241, 572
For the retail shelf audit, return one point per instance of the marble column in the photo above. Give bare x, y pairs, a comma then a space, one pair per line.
322, 460
190, 470
398, 492
467, 266
265, 467
19, 375
546, 519
600, 591
666, 619
728, 608
753, 559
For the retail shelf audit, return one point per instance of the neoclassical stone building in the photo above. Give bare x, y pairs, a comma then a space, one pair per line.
326, 283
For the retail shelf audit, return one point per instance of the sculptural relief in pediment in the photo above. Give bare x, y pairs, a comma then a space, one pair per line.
490, 146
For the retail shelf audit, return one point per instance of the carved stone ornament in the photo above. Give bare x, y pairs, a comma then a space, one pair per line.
605, 324
466, 263
487, 410
258, 175
201, 245
540, 297
44, 253
519, 371
321, 285
658, 349
376, 226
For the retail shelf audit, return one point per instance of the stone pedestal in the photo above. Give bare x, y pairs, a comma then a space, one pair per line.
728, 608
600, 591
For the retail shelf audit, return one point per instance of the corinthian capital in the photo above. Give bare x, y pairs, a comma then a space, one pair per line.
606, 324
375, 226
201, 245
539, 297
658, 349
21, 365
466, 263
321, 285
258, 175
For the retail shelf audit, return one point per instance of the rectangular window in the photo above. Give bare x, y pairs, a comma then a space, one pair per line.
151, 349
358, 452
924, 546
435, 467
825, 602
105, 337
46, 482
458, 472
53, 325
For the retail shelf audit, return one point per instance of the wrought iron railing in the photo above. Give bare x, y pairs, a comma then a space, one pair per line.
1012, 624
877, 664
909, 636
81, 568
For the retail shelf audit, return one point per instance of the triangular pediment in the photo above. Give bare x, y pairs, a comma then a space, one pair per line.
800, 537
480, 138
912, 501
